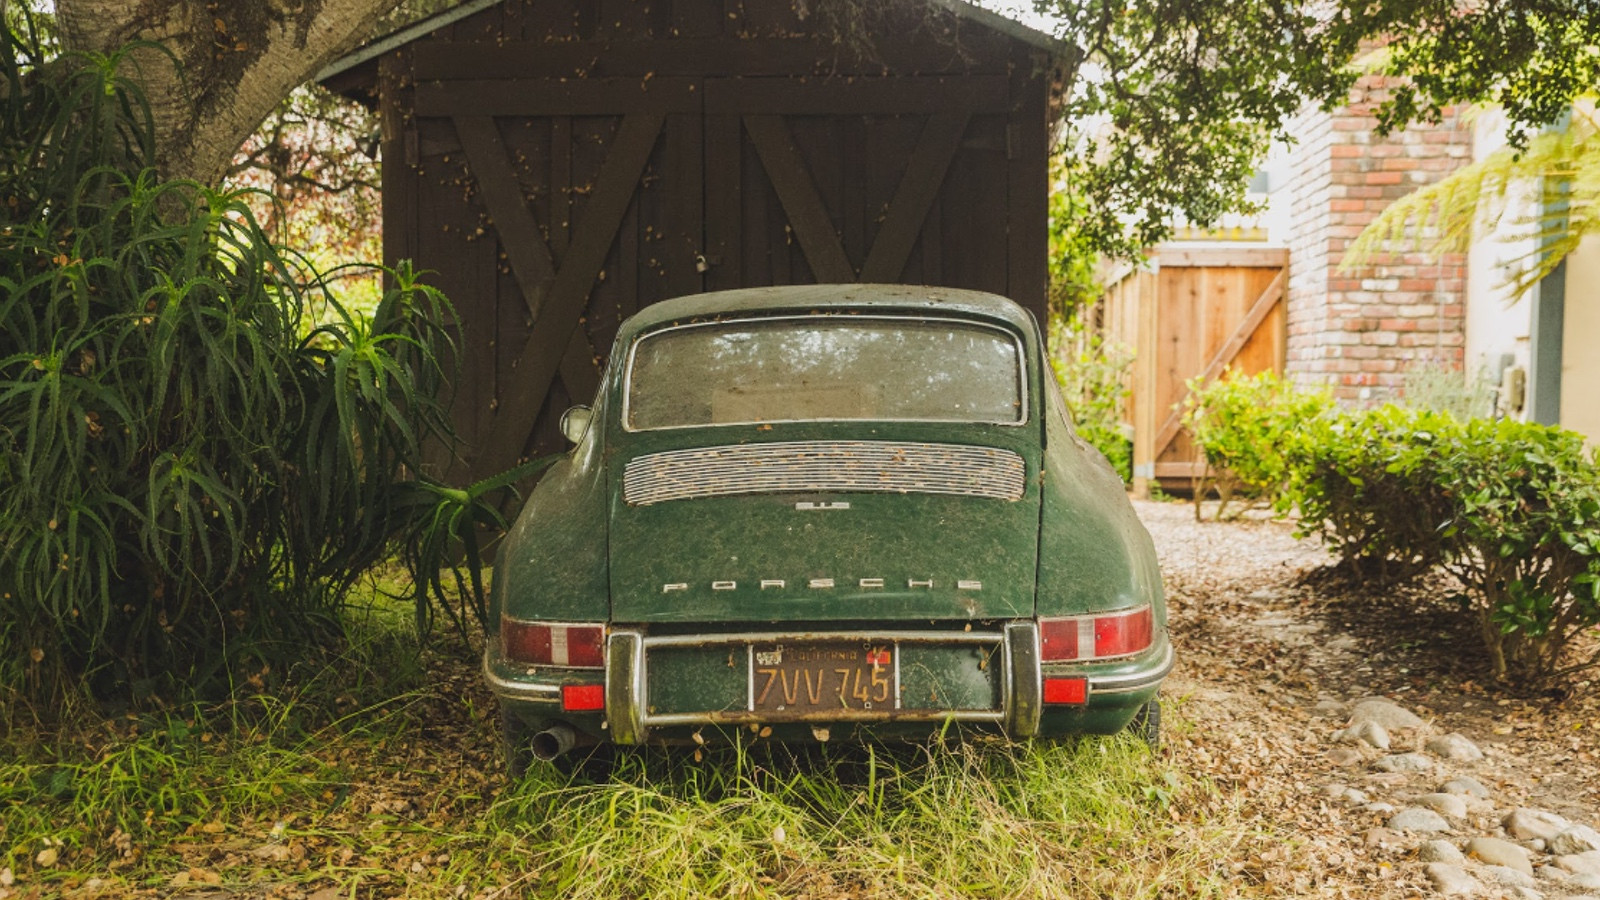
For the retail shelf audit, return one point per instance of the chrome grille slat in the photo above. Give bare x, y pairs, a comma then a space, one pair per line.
824, 467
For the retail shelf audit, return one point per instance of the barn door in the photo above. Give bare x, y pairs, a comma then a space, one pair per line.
592, 190
810, 181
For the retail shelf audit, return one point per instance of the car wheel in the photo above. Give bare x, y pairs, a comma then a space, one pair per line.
517, 741
1146, 723
595, 764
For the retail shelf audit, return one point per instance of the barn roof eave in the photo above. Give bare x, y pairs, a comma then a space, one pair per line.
395, 39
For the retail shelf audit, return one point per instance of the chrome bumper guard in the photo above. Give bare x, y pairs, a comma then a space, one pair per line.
629, 720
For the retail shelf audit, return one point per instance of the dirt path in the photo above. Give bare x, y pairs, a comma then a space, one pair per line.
1274, 664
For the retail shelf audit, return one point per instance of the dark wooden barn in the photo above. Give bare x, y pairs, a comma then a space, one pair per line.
561, 163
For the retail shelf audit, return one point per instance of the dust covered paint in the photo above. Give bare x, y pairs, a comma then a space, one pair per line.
827, 468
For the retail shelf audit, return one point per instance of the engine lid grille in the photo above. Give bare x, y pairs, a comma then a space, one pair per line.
824, 467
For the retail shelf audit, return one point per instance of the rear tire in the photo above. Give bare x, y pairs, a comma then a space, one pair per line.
516, 739
1146, 724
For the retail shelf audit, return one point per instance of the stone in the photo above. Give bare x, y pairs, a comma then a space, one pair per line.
1370, 733
1586, 880
1380, 808
1497, 852
1523, 892
1465, 786
1550, 873
1417, 819
1586, 863
1444, 804
1409, 763
1509, 876
1454, 747
1390, 715
1450, 879
1328, 709
1577, 839
1345, 757
1388, 779
1355, 797
1440, 851
1383, 837
1527, 824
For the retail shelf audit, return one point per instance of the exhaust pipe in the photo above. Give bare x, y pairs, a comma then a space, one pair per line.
553, 741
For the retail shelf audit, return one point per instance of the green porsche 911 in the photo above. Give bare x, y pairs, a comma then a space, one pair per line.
818, 513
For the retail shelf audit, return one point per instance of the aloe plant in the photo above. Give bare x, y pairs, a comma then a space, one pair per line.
189, 481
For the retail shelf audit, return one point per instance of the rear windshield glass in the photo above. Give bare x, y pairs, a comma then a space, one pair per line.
813, 368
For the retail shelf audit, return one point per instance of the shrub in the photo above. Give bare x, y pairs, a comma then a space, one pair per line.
1094, 382
1366, 483
188, 481
1246, 427
1511, 509
1524, 538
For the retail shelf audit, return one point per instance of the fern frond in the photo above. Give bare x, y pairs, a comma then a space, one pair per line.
1550, 189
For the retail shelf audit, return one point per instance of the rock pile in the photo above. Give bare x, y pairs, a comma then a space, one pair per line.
1434, 811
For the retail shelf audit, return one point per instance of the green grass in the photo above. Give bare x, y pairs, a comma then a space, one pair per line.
321, 782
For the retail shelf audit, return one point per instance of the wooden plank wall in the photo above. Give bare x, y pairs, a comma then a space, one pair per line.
787, 150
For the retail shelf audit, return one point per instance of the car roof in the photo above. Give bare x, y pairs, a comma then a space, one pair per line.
884, 298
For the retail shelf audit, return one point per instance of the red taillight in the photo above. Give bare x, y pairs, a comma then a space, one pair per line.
1066, 690
574, 645
583, 697
1086, 638
1122, 634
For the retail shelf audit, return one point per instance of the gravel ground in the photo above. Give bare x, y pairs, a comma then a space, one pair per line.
1277, 654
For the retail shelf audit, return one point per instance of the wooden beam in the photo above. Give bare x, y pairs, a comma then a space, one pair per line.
924, 175
801, 202
549, 343
556, 97
514, 224
1225, 354
859, 96
1178, 256
515, 60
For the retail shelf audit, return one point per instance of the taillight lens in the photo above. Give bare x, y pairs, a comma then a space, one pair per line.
576, 645
1105, 636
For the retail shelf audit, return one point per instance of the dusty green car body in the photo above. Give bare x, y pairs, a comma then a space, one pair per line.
691, 585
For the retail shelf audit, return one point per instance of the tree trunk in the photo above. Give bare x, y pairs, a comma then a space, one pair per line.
235, 63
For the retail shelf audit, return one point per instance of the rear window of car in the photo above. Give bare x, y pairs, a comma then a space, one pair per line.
818, 368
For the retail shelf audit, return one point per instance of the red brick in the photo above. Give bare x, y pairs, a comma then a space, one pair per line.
1383, 178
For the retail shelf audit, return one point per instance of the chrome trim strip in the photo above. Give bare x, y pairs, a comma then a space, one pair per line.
740, 717
1022, 367
1133, 681
513, 689
757, 637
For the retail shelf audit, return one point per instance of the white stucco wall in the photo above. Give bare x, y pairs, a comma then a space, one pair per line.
1580, 344
1497, 326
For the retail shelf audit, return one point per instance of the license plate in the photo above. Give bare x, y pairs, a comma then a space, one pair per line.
803, 678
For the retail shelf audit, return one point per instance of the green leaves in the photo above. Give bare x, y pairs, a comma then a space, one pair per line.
1507, 507
188, 477
1248, 427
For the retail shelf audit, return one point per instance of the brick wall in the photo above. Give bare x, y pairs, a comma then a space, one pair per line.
1361, 331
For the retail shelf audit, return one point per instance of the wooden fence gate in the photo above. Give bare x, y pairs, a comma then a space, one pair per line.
1193, 312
